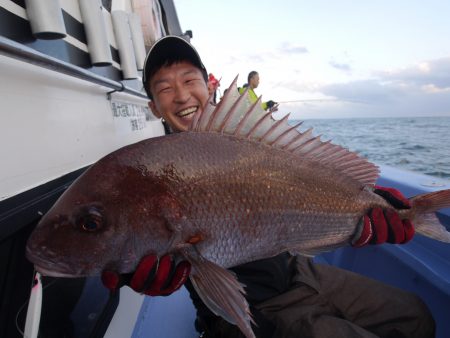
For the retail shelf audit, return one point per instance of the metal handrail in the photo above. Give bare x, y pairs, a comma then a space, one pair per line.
24, 53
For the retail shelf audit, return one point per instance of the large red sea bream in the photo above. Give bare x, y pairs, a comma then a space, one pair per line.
238, 186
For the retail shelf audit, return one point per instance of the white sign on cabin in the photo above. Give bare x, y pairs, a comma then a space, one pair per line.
129, 117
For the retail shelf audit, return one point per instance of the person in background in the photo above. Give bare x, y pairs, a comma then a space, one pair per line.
289, 296
213, 85
252, 84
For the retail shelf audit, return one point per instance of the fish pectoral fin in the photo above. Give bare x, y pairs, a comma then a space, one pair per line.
220, 291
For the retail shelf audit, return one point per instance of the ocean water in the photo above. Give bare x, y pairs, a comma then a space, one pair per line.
419, 144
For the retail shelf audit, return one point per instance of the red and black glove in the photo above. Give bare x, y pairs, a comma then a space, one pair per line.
380, 226
153, 276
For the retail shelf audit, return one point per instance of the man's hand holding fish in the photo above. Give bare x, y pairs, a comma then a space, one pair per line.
153, 276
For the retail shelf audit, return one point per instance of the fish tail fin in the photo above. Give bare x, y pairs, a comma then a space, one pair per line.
220, 291
425, 221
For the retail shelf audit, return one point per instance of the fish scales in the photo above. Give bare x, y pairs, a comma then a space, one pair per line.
252, 191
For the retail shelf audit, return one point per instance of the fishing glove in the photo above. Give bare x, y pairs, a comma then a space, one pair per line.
380, 226
153, 276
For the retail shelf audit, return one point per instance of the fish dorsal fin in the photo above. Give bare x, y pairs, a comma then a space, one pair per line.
236, 115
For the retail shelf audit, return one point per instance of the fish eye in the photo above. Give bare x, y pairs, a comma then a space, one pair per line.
92, 220
90, 225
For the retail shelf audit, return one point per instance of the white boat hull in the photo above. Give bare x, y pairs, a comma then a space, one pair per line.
53, 124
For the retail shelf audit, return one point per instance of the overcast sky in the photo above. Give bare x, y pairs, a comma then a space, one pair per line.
334, 58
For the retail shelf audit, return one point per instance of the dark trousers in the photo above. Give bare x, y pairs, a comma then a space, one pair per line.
329, 302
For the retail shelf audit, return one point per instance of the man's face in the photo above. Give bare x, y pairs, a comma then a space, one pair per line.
254, 81
179, 91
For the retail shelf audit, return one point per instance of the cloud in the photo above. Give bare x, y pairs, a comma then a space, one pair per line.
288, 48
419, 90
410, 105
265, 56
295, 84
364, 91
245, 59
435, 73
419, 83
433, 89
341, 66
250, 58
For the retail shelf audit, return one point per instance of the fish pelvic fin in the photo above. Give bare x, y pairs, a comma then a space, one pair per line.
236, 115
425, 222
220, 291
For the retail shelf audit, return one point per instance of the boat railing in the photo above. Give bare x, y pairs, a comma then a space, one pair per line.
20, 52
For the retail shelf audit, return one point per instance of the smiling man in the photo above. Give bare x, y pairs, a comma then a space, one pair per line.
176, 75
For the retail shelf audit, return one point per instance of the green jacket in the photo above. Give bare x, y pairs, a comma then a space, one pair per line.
252, 96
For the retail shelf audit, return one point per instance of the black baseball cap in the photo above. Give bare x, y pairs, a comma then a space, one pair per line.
168, 50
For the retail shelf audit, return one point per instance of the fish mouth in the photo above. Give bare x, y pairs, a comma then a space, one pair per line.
51, 269
52, 273
187, 113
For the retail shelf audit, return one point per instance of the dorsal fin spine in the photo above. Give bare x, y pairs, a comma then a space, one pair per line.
257, 124
294, 139
359, 173
342, 165
318, 151
304, 144
200, 116
232, 110
212, 118
349, 164
330, 151
361, 166
196, 120
216, 112
306, 136
230, 113
369, 178
336, 155
246, 116
280, 137
274, 127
